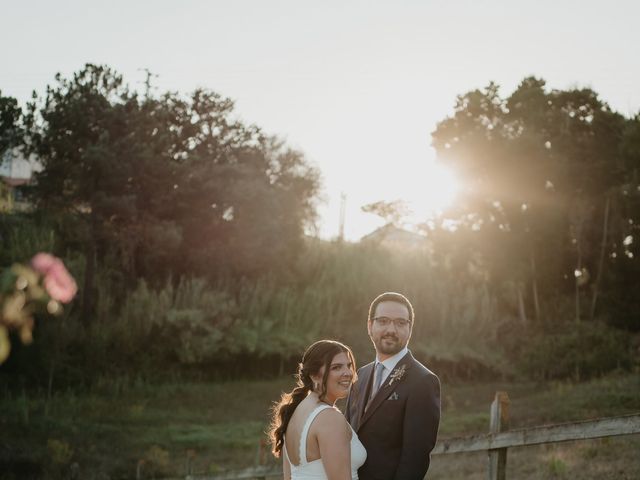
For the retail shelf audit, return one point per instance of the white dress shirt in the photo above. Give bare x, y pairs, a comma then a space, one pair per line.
390, 363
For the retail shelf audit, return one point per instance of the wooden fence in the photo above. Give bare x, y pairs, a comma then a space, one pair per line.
496, 442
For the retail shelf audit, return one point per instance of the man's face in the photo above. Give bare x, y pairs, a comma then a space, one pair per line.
390, 328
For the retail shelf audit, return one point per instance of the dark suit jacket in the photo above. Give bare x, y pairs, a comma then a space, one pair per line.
400, 426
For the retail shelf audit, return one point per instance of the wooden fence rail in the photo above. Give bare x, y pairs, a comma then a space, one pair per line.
495, 443
565, 432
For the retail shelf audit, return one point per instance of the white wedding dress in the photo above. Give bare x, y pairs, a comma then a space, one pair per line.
315, 469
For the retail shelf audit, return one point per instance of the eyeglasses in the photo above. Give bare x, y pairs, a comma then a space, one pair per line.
398, 322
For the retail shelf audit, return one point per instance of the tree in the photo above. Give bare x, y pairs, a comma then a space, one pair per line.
394, 212
11, 129
541, 166
80, 136
166, 186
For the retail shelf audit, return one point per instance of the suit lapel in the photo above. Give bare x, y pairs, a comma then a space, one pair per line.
386, 388
364, 387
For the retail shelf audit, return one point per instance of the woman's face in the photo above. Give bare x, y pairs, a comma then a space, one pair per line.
340, 377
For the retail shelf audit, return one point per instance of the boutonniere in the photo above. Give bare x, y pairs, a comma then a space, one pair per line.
397, 374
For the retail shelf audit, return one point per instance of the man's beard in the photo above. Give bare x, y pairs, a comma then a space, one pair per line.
389, 349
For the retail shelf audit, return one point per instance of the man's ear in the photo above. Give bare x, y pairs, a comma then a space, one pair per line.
369, 327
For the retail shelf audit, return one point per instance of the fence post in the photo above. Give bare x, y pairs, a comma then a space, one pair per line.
139, 466
188, 466
263, 451
260, 456
499, 423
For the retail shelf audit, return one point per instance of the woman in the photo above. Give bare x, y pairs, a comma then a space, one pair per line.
316, 439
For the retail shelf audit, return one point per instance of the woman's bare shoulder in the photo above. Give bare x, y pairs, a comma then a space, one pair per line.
332, 421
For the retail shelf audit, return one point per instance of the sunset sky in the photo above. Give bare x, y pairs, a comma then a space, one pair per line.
357, 85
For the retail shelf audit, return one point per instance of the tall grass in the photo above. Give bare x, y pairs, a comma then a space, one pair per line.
463, 327
22, 236
267, 323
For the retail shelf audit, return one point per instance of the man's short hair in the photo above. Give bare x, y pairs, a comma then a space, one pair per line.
390, 297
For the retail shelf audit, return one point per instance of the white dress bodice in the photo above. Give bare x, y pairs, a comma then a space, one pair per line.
315, 469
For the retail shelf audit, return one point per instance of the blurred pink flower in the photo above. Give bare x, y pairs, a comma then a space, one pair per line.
58, 282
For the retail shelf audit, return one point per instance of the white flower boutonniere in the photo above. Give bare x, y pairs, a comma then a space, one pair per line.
397, 374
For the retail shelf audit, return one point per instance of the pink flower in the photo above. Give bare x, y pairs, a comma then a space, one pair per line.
58, 282
43, 262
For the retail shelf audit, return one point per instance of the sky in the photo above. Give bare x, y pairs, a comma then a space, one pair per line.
358, 86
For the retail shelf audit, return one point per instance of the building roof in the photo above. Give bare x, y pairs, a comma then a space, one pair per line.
15, 182
392, 236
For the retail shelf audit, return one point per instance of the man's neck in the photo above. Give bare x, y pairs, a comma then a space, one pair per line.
381, 357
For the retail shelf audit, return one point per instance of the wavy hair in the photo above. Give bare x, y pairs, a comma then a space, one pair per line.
318, 355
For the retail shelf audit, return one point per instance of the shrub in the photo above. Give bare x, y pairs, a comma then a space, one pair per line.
576, 351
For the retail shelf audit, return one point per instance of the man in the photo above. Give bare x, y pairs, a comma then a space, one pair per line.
394, 406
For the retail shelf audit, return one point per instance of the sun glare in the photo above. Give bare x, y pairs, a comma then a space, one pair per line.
430, 191
426, 189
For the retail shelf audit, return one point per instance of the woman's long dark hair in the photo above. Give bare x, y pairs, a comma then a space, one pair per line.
315, 357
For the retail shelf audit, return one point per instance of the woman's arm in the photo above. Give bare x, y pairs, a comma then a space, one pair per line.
334, 440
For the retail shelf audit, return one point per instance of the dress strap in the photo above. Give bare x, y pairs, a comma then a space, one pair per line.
284, 449
305, 432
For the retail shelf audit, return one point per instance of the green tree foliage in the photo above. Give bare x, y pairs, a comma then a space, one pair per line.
391, 212
11, 128
546, 172
185, 228
169, 185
